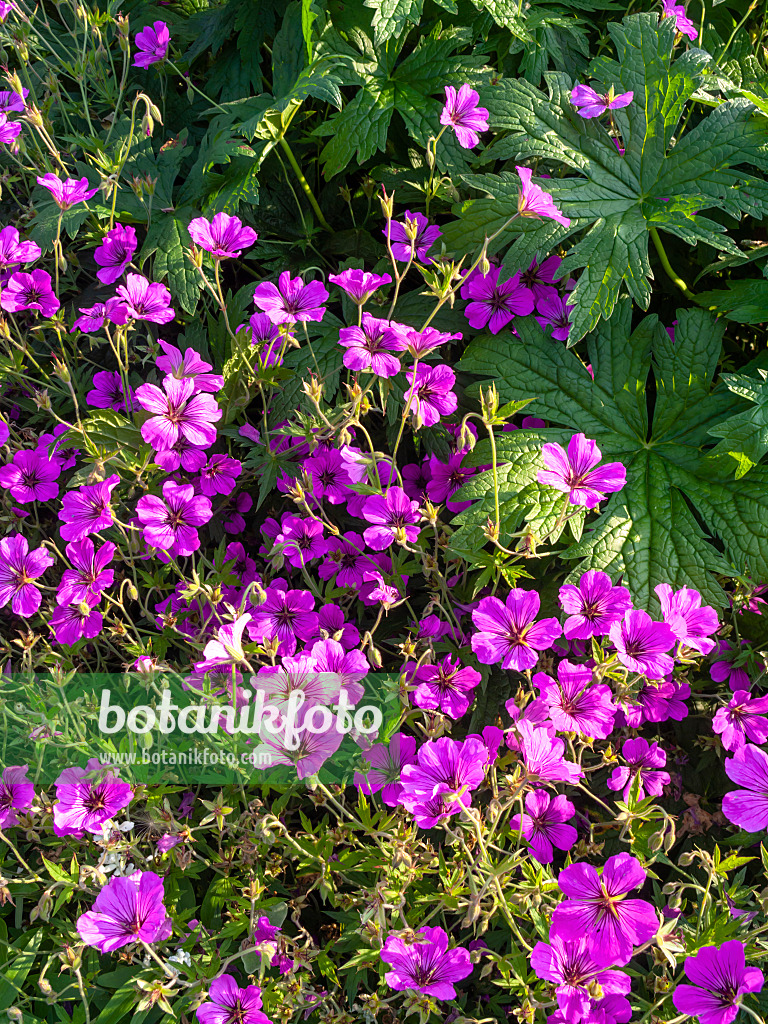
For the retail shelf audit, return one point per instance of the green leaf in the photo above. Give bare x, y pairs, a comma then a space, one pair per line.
21, 959
745, 435
107, 429
391, 16
169, 239
656, 183
677, 506
745, 301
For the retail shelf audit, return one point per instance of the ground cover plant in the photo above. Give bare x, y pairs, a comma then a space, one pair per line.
383, 512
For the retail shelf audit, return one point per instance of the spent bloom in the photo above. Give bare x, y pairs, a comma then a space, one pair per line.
19, 568
223, 237
427, 965
115, 253
33, 290
88, 797
151, 44
230, 1004
533, 201
128, 909
642, 644
748, 807
413, 238
509, 633
393, 516
591, 104
359, 284
67, 193
291, 300
596, 907
543, 824
742, 720
462, 113
146, 301
494, 303
575, 472
643, 760
177, 411
16, 794
720, 978
593, 606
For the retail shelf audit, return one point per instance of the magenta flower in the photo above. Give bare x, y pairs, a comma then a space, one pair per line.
31, 477
742, 720
16, 794
346, 560
220, 475
291, 300
177, 411
313, 749
593, 606
94, 317
115, 253
554, 311
447, 769
427, 965
413, 238
88, 509
430, 394
145, 301
4, 432
70, 623
596, 907
12, 102
151, 44
533, 201
720, 978
331, 476
303, 540
190, 366
691, 624
9, 132
543, 824
642, 644
445, 478
737, 676
223, 237
86, 798
543, 754
13, 251
348, 667
359, 284
495, 303
230, 1004
643, 761
384, 766
108, 391
369, 347
394, 516
419, 343
462, 113
683, 23
575, 705
508, 632
540, 277
285, 616
574, 472
446, 687
656, 702
171, 522
32, 290
89, 576
19, 568
576, 973
591, 104
67, 193
748, 807
128, 909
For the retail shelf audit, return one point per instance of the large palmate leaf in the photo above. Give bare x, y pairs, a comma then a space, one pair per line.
614, 201
680, 506
745, 435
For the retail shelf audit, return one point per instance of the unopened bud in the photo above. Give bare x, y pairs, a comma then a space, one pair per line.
147, 125
61, 370
387, 204
374, 657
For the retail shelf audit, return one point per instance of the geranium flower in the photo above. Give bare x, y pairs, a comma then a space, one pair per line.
533, 201
737, 675
70, 623
445, 478
444, 768
177, 411
552, 310
430, 394
146, 301
394, 516
576, 474
419, 343
348, 667
643, 760
285, 615
19, 568
543, 754
544, 826
89, 576
591, 104
682, 22
230, 1004
291, 300
151, 44
575, 705
720, 978
223, 237
385, 764
741, 720
171, 522
33, 290
446, 687
596, 907
227, 648
462, 113
748, 807
592, 606
188, 366
115, 253
369, 347
576, 974
691, 624
67, 193
495, 303
508, 632
88, 797
427, 965
13, 251
88, 509
16, 794
128, 909
346, 560
31, 476
94, 317
540, 277
108, 391
359, 284
12, 102
413, 238
306, 749
641, 644
220, 475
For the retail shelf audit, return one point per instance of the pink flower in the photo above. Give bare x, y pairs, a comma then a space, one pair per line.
509, 633
115, 253
177, 411
533, 201
720, 979
223, 237
592, 104
127, 910
170, 523
67, 193
359, 284
462, 113
413, 238
32, 290
495, 303
683, 23
426, 965
544, 826
291, 300
152, 44
576, 474
146, 301
430, 395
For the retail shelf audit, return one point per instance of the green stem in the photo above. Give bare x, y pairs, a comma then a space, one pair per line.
304, 184
678, 281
